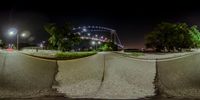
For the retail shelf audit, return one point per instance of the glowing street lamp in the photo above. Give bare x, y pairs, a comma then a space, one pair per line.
23, 35
84, 30
88, 34
99, 42
13, 31
94, 43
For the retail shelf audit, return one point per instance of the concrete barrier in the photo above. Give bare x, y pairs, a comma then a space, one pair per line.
179, 77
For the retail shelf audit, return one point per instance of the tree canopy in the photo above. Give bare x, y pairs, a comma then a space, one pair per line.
2, 44
61, 37
172, 36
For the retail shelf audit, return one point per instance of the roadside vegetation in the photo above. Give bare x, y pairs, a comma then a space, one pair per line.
73, 55
171, 37
2, 44
136, 54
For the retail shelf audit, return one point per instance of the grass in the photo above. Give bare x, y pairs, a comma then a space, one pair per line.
73, 55
136, 54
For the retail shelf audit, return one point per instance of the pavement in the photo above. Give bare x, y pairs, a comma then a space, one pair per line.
80, 78
108, 76
180, 77
24, 76
102, 76
127, 78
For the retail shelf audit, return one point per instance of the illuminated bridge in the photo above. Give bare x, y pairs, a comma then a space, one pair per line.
98, 33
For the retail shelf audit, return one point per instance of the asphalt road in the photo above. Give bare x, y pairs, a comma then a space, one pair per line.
24, 76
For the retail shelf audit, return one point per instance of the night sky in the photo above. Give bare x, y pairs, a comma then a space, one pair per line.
132, 20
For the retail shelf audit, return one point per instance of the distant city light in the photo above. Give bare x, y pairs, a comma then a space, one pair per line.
23, 35
99, 42
88, 34
93, 42
84, 30
41, 45
79, 33
96, 35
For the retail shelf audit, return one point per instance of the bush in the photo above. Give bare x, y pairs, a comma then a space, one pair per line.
137, 54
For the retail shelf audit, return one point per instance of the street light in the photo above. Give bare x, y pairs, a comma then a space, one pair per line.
84, 30
13, 31
23, 35
94, 43
99, 42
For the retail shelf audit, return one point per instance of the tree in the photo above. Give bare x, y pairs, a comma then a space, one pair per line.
2, 44
61, 37
194, 32
108, 46
169, 36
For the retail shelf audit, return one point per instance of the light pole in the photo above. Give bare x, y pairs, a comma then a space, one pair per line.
13, 31
96, 43
17, 41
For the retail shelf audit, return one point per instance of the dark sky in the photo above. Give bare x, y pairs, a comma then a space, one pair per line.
132, 20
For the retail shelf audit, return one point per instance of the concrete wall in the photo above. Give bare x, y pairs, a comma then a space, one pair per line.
179, 77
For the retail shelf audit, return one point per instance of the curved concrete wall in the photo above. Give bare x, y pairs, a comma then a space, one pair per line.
127, 78
24, 76
106, 75
80, 77
179, 77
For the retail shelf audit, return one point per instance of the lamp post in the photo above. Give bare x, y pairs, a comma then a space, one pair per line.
13, 31
17, 41
96, 43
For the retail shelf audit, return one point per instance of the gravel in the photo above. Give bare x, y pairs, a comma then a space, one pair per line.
80, 77
23, 76
126, 78
180, 77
